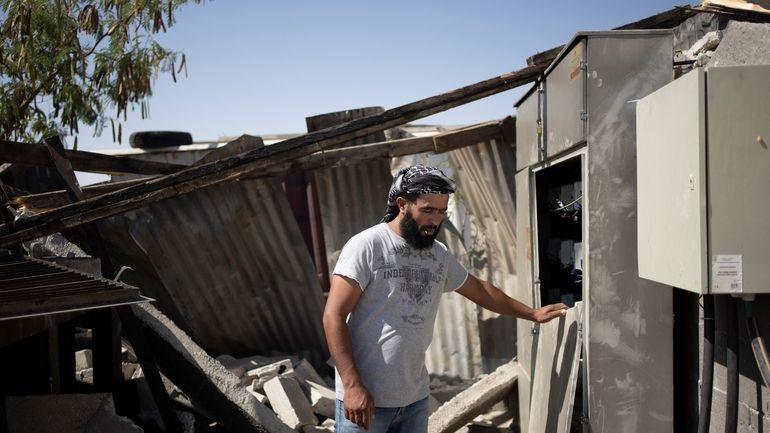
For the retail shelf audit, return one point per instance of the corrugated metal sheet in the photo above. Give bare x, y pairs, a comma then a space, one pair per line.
352, 198
455, 351
229, 265
31, 287
485, 181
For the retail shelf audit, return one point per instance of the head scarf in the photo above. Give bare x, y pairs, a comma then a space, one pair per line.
418, 179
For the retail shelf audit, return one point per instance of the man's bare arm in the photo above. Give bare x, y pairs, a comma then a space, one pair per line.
343, 296
490, 297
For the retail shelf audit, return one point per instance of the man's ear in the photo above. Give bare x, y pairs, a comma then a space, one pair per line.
401, 202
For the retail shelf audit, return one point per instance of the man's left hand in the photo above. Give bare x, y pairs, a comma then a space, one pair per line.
550, 312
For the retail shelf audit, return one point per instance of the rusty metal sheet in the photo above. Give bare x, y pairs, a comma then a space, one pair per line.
32, 287
229, 265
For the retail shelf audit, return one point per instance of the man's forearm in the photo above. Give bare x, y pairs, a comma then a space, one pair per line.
341, 349
501, 303
491, 298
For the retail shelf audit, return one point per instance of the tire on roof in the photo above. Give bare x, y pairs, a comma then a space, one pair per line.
155, 139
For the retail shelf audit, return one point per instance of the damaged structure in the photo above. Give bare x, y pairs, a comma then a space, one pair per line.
231, 245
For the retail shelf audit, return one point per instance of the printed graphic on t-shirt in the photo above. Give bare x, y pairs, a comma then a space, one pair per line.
381, 263
414, 283
407, 251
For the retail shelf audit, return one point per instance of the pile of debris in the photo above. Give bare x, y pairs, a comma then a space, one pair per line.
300, 397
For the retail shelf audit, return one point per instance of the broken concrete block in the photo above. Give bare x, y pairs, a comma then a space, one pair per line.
259, 376
83, 359
306, 373
85, 376
322, 399
138, 373
129, 368
470, 403
259, 396
328, 423
708, 42
289, 402
239, 366
281, 367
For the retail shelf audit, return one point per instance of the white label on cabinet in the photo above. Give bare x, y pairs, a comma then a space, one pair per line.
727, 273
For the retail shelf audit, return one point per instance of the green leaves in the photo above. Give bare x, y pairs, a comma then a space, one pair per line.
70, 62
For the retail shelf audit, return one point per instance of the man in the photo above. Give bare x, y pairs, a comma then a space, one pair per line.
382, 306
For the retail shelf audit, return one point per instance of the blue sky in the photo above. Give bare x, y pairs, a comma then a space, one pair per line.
261, 67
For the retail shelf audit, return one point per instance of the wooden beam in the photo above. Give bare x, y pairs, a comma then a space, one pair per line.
256, 160
466, 136
63, 165
664, 20
439, 143
49, 200
37, 154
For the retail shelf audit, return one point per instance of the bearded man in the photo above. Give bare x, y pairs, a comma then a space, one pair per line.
384, 296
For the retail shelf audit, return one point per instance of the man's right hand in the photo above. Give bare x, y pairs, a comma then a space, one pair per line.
359, 405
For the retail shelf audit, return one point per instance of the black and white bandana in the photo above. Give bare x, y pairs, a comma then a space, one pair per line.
418, 179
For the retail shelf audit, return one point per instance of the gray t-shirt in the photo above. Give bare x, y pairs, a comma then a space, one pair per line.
392, 324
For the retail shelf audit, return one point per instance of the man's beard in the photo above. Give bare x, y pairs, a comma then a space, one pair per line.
412, 233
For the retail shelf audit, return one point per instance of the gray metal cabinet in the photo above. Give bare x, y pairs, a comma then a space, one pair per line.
704, 170
588, 139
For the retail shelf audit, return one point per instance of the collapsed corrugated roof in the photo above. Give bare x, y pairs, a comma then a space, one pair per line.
32, 287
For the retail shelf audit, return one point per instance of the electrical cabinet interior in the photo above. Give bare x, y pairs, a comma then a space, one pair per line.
703, 173
560, 232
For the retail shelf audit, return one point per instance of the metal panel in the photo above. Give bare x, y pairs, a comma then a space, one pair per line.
629, 319
524, 291
671, 188
565, 102
556, 373
528, 129
352, 198
229, 265
32, 287
455, 350
739, 171
484, 176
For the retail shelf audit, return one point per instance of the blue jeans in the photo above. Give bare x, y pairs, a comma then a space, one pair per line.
407, 419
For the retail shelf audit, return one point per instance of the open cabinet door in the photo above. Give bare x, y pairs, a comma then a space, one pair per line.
557, 363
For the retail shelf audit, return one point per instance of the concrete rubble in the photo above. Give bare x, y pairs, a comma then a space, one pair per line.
322, 399
290, 386
89, 413
702, 50
475, 400
743, 43
305, 400
289, 402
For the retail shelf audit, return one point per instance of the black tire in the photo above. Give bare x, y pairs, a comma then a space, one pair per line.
155, 139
